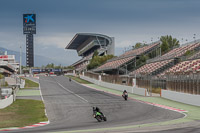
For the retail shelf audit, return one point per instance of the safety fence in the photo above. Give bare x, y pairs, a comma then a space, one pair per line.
115, 79
186, 83
189, 83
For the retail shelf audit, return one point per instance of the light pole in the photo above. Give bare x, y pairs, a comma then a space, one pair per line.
194, 38
182, 41
20, 65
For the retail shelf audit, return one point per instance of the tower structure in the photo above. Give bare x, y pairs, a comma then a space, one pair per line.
29, 28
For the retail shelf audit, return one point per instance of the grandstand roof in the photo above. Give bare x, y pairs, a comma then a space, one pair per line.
80, 38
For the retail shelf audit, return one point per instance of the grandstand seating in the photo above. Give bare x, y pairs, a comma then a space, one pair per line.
153, 68
190, 66
114, 64
126, 57
159, 66
141, 50
196, 55
177, 52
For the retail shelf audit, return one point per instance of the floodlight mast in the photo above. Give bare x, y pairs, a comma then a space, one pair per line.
20, 65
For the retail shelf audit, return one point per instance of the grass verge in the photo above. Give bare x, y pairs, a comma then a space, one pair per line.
78, 79
30, 84
22, 113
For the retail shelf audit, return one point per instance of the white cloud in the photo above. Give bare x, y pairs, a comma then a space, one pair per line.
58, 40
11, 41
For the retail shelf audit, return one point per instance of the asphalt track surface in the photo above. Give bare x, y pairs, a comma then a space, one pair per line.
69, 107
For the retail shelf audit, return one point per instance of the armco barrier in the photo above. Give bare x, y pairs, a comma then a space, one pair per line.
138, 91
181, 97
6, 102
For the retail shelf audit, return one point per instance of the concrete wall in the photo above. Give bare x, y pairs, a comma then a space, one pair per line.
134, 90
181, 97
22, 83
6, 102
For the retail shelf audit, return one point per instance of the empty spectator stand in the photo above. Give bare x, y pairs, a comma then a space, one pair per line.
6, 69
153, 68
184, 77
127, 61
178, 52
81, 64
158, 66
195, 56
185, 67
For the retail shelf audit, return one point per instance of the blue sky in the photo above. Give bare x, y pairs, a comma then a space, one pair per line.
129, 21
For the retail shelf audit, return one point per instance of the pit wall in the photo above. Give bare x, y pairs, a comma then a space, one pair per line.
181, 97
130, 89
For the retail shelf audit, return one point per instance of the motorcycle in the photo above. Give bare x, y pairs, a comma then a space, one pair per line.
99, 116
125, 96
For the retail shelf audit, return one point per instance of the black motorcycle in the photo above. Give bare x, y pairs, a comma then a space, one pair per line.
99, 116
125, 96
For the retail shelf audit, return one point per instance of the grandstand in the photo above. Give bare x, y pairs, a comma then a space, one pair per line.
174, 70
159, 65
178, 70
196, 55
127, 61
86, 43
8, 66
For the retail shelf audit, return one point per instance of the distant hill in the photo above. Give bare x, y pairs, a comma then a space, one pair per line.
38, 61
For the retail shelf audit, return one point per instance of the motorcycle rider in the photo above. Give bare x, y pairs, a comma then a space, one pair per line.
98, 114
96, 109
125, 93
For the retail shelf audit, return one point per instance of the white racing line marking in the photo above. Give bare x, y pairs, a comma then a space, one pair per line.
73, 93
43, 101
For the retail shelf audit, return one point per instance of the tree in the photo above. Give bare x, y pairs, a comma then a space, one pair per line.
138, 45
50, 65
98, 60
1, 76
168, 43
96, 53
164, 47
142, 59
188, 53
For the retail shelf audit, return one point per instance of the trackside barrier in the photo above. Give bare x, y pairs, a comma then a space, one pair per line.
6, 102
22, 84
181, 97
134, 90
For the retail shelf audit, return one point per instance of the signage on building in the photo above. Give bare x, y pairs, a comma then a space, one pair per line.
29, 23
3, 56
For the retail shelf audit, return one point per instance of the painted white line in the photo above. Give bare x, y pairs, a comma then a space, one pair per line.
73, 93
43, 101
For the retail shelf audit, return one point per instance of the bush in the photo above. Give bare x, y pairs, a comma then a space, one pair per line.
189, 52
98, 60
1, 76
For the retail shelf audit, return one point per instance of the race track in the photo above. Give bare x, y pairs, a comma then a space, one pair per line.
69, 107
